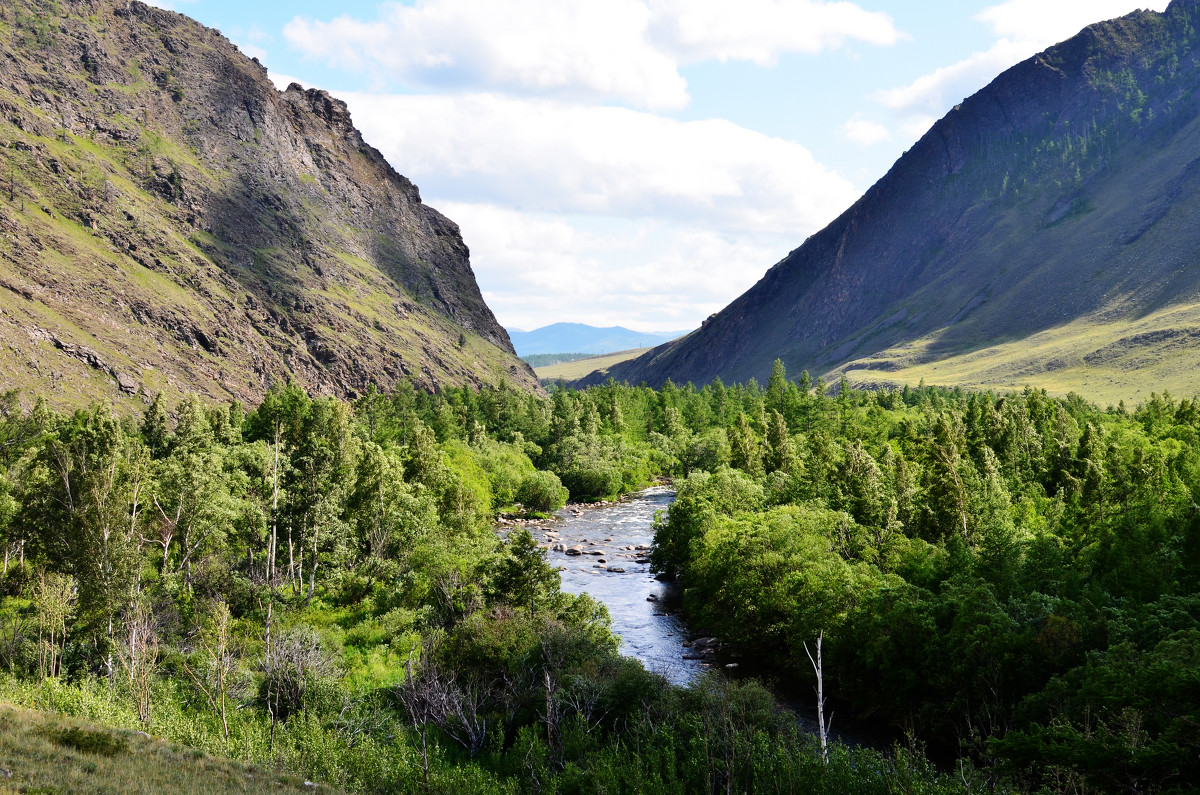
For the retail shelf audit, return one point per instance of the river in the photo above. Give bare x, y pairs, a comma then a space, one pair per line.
635, 600
614, 540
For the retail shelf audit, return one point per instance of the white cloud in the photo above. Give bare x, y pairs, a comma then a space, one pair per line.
938, 91
864, 131
590, 48
600, 50
542, 156
761, 30
537, 268
1044, 22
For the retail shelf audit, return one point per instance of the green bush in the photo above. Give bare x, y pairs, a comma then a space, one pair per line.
507, 467
542, 492
591, 480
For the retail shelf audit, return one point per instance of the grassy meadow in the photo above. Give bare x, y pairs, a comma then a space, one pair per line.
570, 371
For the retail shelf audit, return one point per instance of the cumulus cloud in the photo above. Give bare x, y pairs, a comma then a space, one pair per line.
936, 92
1044, 23
864, 131
589, 50
536, 268
761, 30
543, 156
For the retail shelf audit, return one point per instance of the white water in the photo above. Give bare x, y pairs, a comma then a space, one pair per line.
647, 633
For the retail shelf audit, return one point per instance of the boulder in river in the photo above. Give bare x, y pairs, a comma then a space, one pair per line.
574, 550
616, 569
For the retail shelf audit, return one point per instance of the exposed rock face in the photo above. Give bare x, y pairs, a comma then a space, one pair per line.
1065, 190
169, 220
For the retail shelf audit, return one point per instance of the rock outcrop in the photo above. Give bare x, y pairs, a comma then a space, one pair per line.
169, 220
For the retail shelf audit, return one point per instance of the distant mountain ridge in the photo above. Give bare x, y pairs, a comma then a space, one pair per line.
581, 338
1057, 203
170, 221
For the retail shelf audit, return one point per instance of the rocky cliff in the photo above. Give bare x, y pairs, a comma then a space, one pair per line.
1057, 205
171, 221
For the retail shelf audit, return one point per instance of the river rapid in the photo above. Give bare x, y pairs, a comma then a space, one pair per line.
613, 538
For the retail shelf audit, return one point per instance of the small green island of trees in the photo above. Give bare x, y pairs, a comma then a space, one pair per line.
1007, 582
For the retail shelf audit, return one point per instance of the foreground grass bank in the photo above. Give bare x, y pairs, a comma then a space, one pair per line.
49, 753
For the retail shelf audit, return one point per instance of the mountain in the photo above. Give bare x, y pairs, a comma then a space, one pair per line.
580, 338
1044, 231
171, 221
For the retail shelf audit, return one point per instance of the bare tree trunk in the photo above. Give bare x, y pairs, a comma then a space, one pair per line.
818, 669
291, 558
274, 512
312, 569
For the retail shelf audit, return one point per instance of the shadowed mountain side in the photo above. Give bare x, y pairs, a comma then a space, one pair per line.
173, 222
1064, 190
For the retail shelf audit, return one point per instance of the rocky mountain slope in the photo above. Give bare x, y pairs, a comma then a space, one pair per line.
1042, 232
171, 221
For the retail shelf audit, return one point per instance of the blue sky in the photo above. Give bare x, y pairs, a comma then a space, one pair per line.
641, 162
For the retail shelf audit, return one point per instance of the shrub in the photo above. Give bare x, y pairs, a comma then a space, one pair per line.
542, 492
590, 480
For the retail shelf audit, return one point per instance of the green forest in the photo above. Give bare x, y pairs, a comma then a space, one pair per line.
1008, 581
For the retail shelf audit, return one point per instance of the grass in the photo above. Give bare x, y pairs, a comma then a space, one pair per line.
48, 753
573, 370
1105, 362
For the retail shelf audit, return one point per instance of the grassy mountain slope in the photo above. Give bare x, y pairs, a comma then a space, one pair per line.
1058, 201
578, 368
170, 221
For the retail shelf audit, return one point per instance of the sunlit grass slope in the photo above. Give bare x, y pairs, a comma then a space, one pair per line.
1105, 362
47, 753
570, 371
